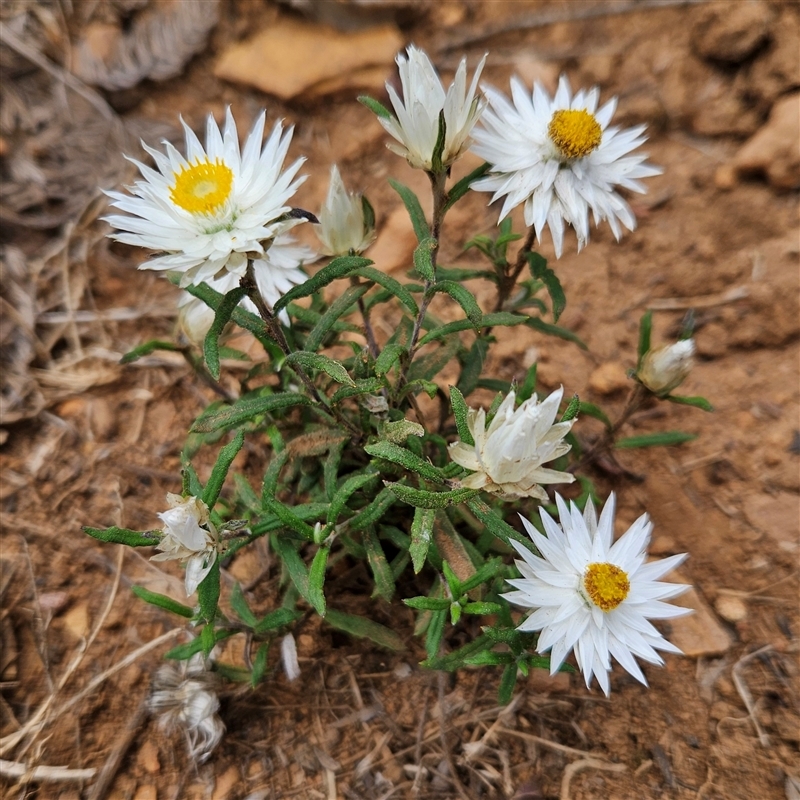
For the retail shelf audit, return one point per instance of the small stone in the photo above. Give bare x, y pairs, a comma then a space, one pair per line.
776, 515
725, 178
76, 620
148, 757
226, 783
102, 419
772, 150
700, 633
609, 378
731, 32
730, 608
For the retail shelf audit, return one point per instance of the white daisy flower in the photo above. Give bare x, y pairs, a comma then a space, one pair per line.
416, 124
189, 535
277, 271
209, 211
560, 158
666, 367
185, 699
593, 594
343, 226
507, 457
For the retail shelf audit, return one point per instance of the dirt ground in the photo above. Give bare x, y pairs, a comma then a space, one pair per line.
85, 441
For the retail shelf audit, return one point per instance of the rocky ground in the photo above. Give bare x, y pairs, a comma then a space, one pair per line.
86, 441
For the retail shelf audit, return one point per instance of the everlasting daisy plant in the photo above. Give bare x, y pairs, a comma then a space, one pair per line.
379, 427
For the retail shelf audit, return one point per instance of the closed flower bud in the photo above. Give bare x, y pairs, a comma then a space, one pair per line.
665, 368
343, 226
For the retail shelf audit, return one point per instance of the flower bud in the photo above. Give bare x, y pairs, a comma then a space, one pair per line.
343, 226
666, 367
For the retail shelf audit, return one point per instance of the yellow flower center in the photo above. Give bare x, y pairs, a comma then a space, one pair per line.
575, 133
202, 187
606, 585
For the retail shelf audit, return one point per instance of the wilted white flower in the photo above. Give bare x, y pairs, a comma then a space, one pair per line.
560, 158
507, 457
666, 367
593, 594
343, 227
277, 271
416, 121
189, 535
185, 698
212, 209
289, 657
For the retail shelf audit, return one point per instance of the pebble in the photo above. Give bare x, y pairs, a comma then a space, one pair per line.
776, 515
226, 783
730, 608
700, 633
76, 620
731, 32
609, 378
291, 56
148, 757
772, 151
725, 178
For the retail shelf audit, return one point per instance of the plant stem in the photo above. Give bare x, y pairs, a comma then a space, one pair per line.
508, 280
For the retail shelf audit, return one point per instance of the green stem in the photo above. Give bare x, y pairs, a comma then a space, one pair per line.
508, 280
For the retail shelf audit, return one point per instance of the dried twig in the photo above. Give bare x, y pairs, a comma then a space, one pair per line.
586, 763
20, 771
744, 692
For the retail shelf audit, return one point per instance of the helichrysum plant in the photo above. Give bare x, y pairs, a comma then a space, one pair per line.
357, 471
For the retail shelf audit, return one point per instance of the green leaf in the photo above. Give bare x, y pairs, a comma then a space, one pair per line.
414, 209
507, 684
338, 268
373, 512
294, 566
645, 331
528, 385
438, 149
369, 215
316, 580
399, 431
488, 658
423, 258
481, 608
389, 356
460, 188
572, 409
433, 639
162, 601
362, 386
458, 658
375, 107
185, 651
222, 316
405, 458
391, 285
464, 298
364, 628
428, 603
340, 306
541, 272
556, 330
320, 362
246, 410
147, 348
345, 492
124, 536
243, 318
591, 410
488, 320
239, 605
289, 519
208, 593
697, 402
461, 414
473, 367
276, 619
421, 536
420, 498
501, 529
381, 572
484, 574
221, 467
661, 439
259, 664
207, 640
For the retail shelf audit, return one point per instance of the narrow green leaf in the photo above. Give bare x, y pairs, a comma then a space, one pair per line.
484, 574
286, 516
316, 580
208, 593
124, 536
239, 605
572, 409
340, 306
414, 209
428, 603
221, 467
375, 107
405, 458
507, 684
697, 402
528, 385
501, 529
362, 386
369, 215
185, 651
147, 348
473, 367
591, 410
464, 298
345, 492
246, 410
222, 316
488, 320
207, 640
391, 285
433, 639
461, 414
320, 362
399, 431
556, 330
294, 566
645, 331
423, 258
381, 572
243, 318
541, 272
488, 658
364, 628
481, 608
338, 268
276, 619
259, 664
162, 601
421, 498
389, 356
270, 483
421, 537
373, 512
661, 439
438, 149
460, 188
